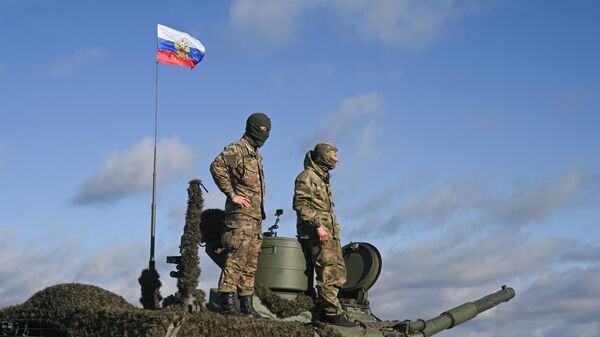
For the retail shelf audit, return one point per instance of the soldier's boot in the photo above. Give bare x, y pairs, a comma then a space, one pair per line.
247, 307
228, 304
339, 320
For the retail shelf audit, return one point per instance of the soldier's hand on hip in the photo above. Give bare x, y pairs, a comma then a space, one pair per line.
242, 201
323, 234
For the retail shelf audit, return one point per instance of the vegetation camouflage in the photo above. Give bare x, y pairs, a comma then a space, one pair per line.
188, 282
79, 310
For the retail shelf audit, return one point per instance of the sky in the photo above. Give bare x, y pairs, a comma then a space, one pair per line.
467, 134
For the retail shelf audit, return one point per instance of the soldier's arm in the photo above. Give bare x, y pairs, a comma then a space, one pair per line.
303, 195
221, 170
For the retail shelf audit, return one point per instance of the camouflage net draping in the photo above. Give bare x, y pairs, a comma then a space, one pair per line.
187, 284
189, 267
212, 225
283, 307
150, 283
88, 311
206, 323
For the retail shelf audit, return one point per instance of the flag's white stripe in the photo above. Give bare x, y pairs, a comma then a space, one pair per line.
171, 34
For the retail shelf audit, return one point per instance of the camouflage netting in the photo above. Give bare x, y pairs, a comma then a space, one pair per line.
207, 323
187, 284
189, 268
89, 311
150, 283
283, 307
212, 225
328, 331
198, 294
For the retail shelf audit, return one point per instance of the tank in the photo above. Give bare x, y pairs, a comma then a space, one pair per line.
281, 268
284, 296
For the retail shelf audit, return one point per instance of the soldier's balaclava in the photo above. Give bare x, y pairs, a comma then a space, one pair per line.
323, 155
253, 130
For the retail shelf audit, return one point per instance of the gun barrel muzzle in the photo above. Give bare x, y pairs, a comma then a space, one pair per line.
460, 314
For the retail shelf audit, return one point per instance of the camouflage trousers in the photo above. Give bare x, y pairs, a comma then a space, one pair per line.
329, 266
241, 240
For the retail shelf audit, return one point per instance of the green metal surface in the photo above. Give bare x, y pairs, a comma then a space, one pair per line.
281, 265
363, 266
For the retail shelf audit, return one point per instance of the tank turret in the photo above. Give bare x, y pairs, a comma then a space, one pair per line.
282, 271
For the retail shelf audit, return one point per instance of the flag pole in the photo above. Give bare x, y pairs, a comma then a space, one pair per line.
151, 264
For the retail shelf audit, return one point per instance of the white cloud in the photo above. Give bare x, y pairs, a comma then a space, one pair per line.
431, 276
370, 104
27, 265
455, 203
367, 147
534, 203
76, 60
354, 112
111, 262
411, 24
114, 268
275, 20
353, 129
130, 172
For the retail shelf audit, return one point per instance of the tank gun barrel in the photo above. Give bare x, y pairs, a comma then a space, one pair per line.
458, 315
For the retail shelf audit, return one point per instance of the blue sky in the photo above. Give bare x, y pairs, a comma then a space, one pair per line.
467, 133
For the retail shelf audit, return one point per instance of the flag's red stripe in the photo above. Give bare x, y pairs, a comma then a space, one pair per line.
174, 58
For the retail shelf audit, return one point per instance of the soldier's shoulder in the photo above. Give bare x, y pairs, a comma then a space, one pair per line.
306, 175
235, 147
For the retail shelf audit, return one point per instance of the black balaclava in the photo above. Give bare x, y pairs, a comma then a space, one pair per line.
322, 155
253, 130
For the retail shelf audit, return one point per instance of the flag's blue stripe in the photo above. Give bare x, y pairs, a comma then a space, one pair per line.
167, 45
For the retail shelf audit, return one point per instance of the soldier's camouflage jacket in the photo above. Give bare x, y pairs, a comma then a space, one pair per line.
237, 171
313, 201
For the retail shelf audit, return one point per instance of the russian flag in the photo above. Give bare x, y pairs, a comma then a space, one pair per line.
175, 47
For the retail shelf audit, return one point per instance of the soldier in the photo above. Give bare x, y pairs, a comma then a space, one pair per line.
319, 231
238, 172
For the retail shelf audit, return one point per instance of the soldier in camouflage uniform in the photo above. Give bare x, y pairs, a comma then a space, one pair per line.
319, 231
238, 172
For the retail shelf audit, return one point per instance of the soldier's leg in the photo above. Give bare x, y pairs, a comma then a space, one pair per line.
309, 270
246, 286
331, 275
231, 272
248, 274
